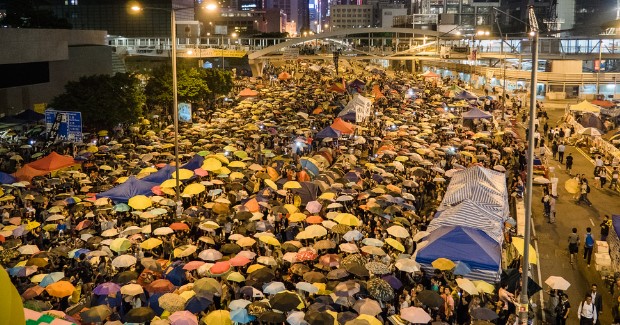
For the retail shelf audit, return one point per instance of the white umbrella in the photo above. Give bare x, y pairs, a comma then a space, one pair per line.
210, 255
110, 233
467, 286
398, 231
296, 318
307, 287
274, 287
407, 265
124, 261
163, 231
132, 289
557, 283
238, 304
594, 132
415, 315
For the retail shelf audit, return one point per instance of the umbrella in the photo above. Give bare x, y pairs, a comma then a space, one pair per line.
398, 231
415, 315
557, 283
124, 261
120, 245
140, 315
60, 289
407, 265
132, 289
519, 245
319, 318
106, 289
272, 317
218, 317
96, 314
377, 268
183, 318
380, 289
367, 306
484, 314
285, 301
467, 286
140, 202
171, 302
430, 298
241, 316
572, 186
150, 243
443, 264
347, 288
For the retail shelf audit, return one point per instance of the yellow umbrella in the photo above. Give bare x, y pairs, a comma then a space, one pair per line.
50, 227
140, 202
271, 184
218, 317
370, 319
150, 243
401, 158
247, 241
168, 191
269, 240
60, 289
235, 277
121, 180
222, 170
211, 164
394, 243
237, 164
347, 219
11, 305
291, 208
194, 188
328, 196
484, 286
183, 174
443, 264
32, 224
147, 170
273, 174
236, 175
169, 183
572, 186
297, 217
220, 157
291, 185
518, 243
254, 267
120, 245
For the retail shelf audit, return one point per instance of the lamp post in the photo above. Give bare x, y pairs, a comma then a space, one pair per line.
175, 104
233, 35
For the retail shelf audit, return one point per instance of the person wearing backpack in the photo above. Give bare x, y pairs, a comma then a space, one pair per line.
588, 245
587, 311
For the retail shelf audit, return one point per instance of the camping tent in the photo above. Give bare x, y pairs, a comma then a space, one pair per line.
361, 105
484, 186
469, 245
470, 214
129, 189
590, 120
465, 95
585, 106
475, 113
26, 173
328, 132
247, 92
342, 126
51, 162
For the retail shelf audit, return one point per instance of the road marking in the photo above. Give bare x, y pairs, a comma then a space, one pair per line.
592, 222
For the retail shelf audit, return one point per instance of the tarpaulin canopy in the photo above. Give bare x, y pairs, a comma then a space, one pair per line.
129, 189
603, 103
475, 113
51, 162
161, 175
590, 120
284, 76
469, 245
30, 116
342, 126
194, 163
585, 106
7, 179
430, 74
26, 173
465, 95
328, 132
485, 187
247, 92
470, 214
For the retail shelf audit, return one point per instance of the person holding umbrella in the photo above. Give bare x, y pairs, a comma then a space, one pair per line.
562, 310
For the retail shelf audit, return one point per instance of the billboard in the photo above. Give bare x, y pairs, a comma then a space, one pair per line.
185, 112
63, 125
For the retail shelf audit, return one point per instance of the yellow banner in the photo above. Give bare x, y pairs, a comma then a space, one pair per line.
40, 107
220, 53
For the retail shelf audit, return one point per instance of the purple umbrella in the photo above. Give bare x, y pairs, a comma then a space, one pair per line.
393, 281
106, 289
314, 207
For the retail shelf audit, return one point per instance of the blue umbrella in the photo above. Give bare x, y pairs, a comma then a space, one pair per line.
461, 268
197, 304
121, 207
353, 235
177, 276
51, 278
80, 252
241, 316
154, 303
310, 167
393, 281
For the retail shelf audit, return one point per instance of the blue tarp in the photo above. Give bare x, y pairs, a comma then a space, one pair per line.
30, 116
468, 245
476, 113
349, 117
328, 132
194, 163
7, 179
465, 95
161, 175
129, 189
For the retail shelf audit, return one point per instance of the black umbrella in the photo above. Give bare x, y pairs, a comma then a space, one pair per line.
357, 269
430, 298
321, 307
257, 308
262, 275
318, 318
96, 314
230, 249
140, 315
484, 314
285, 301
346, 316
272, 317
380, 290
314, 277
512, 277
125, 277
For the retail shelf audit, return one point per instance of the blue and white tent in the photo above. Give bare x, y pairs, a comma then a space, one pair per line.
470, 214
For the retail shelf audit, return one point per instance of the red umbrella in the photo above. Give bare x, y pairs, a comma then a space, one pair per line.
177, 226
193, 265
201, 172
160, 286
306, 256
83, 224
220, 267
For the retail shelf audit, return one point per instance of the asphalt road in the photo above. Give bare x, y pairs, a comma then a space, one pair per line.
552, 239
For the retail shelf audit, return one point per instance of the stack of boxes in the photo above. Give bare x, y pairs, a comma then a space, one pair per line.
602, 260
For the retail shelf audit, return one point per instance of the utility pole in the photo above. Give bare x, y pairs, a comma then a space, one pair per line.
523, 308
503, 65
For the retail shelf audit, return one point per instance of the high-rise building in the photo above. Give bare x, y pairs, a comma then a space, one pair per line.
351, 16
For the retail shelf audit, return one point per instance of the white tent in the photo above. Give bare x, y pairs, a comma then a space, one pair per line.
361, 105
585, 106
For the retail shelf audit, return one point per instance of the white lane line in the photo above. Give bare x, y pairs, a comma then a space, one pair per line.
592, 222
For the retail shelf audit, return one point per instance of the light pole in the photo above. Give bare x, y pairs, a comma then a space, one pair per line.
233, 35
175, 104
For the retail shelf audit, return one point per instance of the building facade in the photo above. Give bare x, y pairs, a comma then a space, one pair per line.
351, 16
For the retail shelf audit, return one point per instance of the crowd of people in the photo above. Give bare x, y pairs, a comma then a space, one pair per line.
274, 225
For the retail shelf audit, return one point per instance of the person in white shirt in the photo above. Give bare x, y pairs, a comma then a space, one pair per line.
587, 311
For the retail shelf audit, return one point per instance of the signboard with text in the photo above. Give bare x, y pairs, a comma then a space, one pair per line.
185, 112
63, 125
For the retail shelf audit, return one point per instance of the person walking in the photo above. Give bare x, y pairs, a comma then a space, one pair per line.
562, 310
561, 149
585, 190
569, 163
587, 311
573, 245
602, 174
588, 246
554, 149
614, 178
597, 299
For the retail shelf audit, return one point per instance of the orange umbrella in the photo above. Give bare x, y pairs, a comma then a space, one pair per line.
179, 226
252, 205
314, 219
60, 289
273, 174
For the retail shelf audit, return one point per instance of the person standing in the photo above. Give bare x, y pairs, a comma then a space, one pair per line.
597, 299
573, 245
605, 225
587, 311
614, 178
588, 246
602, 174
569, 163
562, 311
561, 149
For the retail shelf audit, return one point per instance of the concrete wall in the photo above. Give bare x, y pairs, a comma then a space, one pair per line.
71, 55
567, 66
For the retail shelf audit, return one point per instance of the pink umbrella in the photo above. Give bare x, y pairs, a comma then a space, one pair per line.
314, 207
201, 172
183, 318
193, 265
306, 256
415, 315
239, 261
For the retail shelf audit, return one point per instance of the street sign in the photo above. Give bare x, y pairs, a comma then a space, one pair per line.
185, 112
63, 125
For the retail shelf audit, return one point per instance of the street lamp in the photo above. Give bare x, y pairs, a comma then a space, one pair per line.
233, 35
175, 104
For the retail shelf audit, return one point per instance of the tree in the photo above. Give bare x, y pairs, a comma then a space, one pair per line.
191, 87
220, 82
105, 101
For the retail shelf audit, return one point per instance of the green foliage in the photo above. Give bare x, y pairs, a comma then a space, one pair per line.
192, 87
220, 82
158, 89
105, 101
26, 14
